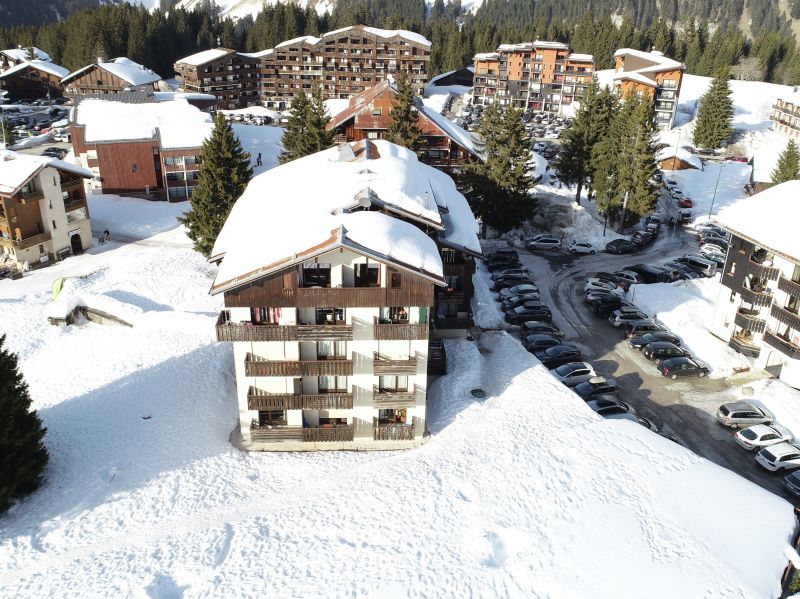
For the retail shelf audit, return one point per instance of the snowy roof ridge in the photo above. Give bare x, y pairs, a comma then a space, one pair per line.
122, 67
42, 65
16, 169
22, 53
681, 154
659, 62
204, 56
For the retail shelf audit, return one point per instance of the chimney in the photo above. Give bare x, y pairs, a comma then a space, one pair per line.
101, 59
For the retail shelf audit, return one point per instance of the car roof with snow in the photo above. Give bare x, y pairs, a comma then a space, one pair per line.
765, 429
781, 449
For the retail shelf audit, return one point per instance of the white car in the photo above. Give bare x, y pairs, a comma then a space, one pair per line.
574, 373
711, 248
758, 436
629, 276
634, 418
551, 135
596, 285
783, 456
509, 271
580, 247
545, 243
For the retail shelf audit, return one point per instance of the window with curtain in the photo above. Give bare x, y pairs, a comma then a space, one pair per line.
327, 350
393, 383
265, 315
332, 384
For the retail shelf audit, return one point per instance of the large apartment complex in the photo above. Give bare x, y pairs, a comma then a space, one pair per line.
653, 74
147, 149
758, 308
540, 76
344, 62
43, 212
786, 115
330, 321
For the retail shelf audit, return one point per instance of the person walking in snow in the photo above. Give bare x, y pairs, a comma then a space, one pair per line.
258, 160
106, 235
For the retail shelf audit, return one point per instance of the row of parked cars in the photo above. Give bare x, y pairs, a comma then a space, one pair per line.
519, 298
772, 442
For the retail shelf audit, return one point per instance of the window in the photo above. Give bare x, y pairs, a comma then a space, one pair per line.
54, 224
134, 167
265, 315
332, 384
329, 315
41, 249
394, 315
331, 350
377, 112
393, 383
373, 135
271, 417
367, 275
392, 416
396, 280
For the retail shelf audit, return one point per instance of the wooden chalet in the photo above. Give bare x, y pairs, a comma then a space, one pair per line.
33, 80
109, 77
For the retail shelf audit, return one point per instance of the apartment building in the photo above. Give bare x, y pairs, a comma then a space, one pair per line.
786, 115
653, 74
540, 76
232, 77
43, 212
16, 56
445, 145
758, 308
109, 77
149, 150
331, 318
32, 80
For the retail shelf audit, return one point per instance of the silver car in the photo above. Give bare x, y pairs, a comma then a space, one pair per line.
741, 413
758, 436
574, 373
545, 243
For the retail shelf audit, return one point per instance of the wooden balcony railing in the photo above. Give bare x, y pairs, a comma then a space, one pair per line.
786, 316
33, 195
745, 346
757, 298
393, 432
26, 242
245, 331
276, 433
321, 332
71, 184
763, 272
750, 322
785, 347
258, 366
389, 332
323, 434
384, 365
789, 286
261, 400
74, 204
392, 399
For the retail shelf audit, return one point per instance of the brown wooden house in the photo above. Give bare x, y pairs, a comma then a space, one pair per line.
445, 146
33, 80
110, 77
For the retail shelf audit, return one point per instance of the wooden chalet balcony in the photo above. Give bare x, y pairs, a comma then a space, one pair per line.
322, 434
749, 321
789, 286
785, 316
33, 195
763, 272
393, 432
757, 298
71, 184
399, 331
74, 204
261, 400
258, 366
385, 365
275, 433
229, 331
394, 399
745, 346
785, 347
25, 242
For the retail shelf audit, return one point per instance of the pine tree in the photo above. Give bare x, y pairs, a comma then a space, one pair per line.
30, 53
7, 135
318, 136
640, 163
295, 135
23, 455
224, 174
404, 130
788, 167
714, 114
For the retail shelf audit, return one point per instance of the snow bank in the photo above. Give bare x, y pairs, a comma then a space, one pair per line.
486, 310
686, 308
33, 141
728, 177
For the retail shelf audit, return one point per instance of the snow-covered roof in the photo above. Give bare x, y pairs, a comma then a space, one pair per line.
768, 218
635, 76
261, 111
681, 154
41, 65
581, 57
124, 68
310, 204
553, 45
166, 96
19, 54
266, 52
456, 133
385, 33
17, 169
303, 39
658, 61
205, 56
176, 122
487, 56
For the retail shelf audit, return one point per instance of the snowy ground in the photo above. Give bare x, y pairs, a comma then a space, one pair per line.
728, 177
133, 217
266, 140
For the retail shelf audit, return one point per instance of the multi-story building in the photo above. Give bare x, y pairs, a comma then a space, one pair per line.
33, 80
786, 115
445, 145
330, 318
15, 56
539, 76
43, 212
109, 77
149, 150
344, 62
758, 308
653, 74
232, 77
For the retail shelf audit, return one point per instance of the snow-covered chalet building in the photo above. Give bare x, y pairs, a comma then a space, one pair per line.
758, 308
328, 266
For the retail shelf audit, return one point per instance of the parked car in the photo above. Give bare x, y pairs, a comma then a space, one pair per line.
624, 315
783, 456
737, 158
503, 253
528, 311
635, 418
520, 289
604, 306
512, 281
642, 238
610, 280
641, 341
685, 203
545, 243
670, 183
518, 300
791, 482
684, 216
509, 271
595, 285
663, 350
629, 276
596, 386
539, 341
649, 274
635, 328
620, 246
675, 367
719, 240
580, 247
742, 413
537, 326
591, 295
573, 373
681, 271
712, 252
502, 264
699, 264
555, 356
711, 228
606, 406
758, 436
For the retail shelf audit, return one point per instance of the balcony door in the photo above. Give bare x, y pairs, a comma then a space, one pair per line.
332, 384
392, 384
331, 350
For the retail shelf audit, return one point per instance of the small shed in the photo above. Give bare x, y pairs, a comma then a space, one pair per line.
673, 158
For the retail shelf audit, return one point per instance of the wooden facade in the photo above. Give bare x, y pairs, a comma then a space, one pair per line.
31, 83
232, 78
786, 116
674, 164
96, 80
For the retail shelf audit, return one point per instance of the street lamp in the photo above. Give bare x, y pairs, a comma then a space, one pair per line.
714, 197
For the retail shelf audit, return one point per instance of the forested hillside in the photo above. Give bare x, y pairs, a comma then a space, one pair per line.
708, 34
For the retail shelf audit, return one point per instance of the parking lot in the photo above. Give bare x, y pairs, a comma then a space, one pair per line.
683, 409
